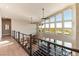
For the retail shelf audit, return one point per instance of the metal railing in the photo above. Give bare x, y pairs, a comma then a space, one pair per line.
42, 47
24, 40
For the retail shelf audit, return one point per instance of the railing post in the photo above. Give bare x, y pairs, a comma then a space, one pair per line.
14, 35
18, 36
23, 38
38, 42
30, 44
48, 48
55, 47
62, 50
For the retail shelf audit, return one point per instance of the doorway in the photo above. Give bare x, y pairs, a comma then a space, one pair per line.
6, 27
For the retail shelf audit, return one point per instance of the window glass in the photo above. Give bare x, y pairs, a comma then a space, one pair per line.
52, 25
58, 25
67, 44
68, 14
47, 21
59, 17
67, 31
67, 24
47, 39
47, 26
58, 30
59, 42
52, 19
52, 40
52, 30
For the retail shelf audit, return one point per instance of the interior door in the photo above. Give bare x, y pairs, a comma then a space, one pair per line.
6, 26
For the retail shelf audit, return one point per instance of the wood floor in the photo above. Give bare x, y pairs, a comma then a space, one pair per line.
9, 47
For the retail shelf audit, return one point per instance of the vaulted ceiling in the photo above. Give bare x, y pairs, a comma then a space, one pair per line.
25, 11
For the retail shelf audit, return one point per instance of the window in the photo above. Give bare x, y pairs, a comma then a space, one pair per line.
67, 44
58, 17
59, 23
68, 14
52, 24
68, 22
47, 25
47, 39
58, 27
47, 21
39, 28
52, 40
67, 31
52, 27
52, 19
59, 42
66, 51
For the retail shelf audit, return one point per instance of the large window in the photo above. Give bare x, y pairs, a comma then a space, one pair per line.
59, 23
59, 42
68, 21
68, 14
47, 25
67, 44
39, 28
52, 24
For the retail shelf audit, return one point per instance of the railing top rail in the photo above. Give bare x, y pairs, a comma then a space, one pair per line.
22, 33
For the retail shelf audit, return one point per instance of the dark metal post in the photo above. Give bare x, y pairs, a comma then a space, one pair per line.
14, 35
55, 47
48, 48
30, 44
18, 36
23, 39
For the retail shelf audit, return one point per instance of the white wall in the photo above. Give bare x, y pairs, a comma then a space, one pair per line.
77, 26
23, 27
0, 28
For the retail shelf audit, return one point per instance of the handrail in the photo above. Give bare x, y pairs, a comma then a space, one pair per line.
72, 49
17, 33
48, 43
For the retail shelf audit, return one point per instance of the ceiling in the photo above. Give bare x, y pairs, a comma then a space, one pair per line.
25, 11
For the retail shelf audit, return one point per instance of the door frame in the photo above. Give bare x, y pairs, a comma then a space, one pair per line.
2, 26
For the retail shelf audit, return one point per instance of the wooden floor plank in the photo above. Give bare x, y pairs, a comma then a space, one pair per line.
9, 47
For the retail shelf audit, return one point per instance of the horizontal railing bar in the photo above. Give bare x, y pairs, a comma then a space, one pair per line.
72, 49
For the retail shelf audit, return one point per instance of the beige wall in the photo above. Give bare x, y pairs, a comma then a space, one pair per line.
23, 27
0, 28
77, 25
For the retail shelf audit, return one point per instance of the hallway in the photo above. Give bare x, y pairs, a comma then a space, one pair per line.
9, 47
